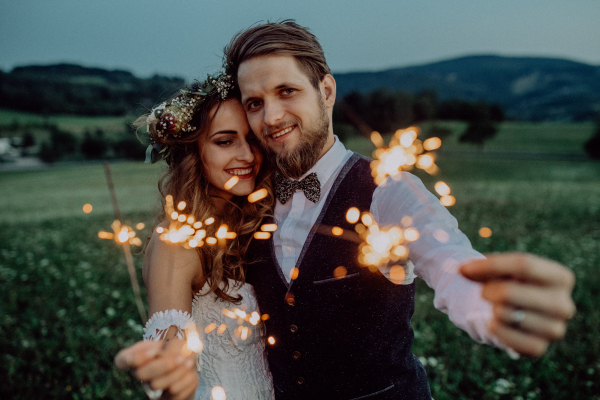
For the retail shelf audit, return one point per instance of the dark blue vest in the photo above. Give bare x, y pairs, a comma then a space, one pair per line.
337, 338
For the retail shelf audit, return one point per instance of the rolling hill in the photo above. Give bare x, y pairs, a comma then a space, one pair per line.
528, 88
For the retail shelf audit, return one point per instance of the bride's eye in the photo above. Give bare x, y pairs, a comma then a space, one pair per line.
223, 142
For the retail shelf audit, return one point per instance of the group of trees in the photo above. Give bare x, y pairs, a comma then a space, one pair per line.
592, 146
63, 145
386, 111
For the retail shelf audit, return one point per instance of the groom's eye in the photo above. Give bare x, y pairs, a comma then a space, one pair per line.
253, 104
288, 91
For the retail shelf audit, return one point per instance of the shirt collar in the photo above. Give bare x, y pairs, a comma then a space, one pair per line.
330, 161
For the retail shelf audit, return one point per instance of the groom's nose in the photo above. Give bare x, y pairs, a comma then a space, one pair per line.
273, 113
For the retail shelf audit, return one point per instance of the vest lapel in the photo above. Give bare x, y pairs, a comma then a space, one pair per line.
345, 169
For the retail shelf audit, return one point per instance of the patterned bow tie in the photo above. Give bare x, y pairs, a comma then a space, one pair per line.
310, 185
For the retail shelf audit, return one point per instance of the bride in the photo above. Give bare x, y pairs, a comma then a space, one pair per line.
205, 139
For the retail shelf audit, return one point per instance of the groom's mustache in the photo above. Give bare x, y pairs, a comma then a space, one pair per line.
269, 130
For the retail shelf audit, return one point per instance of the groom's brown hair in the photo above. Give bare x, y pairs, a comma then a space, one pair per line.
285, 38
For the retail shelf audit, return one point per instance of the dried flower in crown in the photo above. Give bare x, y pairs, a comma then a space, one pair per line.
172, 118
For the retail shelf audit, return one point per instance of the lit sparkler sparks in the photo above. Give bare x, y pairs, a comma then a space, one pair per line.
193, 344
385, 245
258, 195
218, 393
404, 153
243, 331
121, 234
379, 245
186, 230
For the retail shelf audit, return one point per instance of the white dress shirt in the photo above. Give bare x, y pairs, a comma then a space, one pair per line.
435, 257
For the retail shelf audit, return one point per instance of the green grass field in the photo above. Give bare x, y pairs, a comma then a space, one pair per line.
67, 307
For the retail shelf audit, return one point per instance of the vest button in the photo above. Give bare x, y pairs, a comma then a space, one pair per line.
300, 381
296, 355
293, 328
290, 301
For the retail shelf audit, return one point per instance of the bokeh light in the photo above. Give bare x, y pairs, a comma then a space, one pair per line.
231, 182
485, 232
258, 195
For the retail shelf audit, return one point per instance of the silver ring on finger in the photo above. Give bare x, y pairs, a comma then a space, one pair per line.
151, 393
516, 317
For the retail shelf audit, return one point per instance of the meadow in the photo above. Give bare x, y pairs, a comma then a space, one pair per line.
67, 305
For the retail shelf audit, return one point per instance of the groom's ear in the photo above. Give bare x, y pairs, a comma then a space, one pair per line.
327, 87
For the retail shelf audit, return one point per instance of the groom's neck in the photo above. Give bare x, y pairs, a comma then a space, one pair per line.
328, 144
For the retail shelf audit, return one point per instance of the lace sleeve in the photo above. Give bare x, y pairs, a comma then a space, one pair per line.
158, 325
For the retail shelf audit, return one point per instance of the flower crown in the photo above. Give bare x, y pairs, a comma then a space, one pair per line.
173, 118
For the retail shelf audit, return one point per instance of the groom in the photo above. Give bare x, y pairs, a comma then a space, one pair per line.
347, 334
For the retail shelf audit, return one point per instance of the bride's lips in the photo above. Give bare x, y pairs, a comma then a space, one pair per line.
242, 173
280, 135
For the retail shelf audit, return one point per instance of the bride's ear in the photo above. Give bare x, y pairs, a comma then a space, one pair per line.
328, 89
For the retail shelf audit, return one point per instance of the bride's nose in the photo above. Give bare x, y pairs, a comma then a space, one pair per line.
245, 152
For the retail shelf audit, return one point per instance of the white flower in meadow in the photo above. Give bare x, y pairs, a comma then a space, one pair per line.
135, 326
104, 331
423, 361
84, 265
502, 386
110, 311
432, 361
116, 294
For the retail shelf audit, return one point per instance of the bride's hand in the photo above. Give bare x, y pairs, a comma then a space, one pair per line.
162, 365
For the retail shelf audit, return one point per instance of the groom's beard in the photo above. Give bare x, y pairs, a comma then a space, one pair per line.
293, 163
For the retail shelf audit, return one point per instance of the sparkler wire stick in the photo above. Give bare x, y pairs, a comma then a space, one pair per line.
126, 248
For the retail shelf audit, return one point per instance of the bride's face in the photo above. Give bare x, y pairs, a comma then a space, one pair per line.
230, 149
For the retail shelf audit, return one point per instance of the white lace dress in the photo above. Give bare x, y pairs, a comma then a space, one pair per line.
234, 355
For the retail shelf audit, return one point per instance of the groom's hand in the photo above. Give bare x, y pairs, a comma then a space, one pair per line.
531, 297
162, 365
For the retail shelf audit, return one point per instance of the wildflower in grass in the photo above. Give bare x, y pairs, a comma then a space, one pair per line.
502, 386
110, 312
135, 326
104, 331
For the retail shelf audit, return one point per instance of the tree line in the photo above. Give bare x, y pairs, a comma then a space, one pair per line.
385, 111
62, 145
73, 89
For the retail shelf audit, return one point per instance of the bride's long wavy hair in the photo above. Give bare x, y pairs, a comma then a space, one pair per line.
186, 180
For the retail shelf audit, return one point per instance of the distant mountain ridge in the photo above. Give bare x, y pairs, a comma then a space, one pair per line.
528, 88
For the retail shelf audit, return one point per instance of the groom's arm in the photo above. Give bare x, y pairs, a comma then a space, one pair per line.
438, 255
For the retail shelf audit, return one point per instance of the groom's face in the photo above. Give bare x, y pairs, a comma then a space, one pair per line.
285, 111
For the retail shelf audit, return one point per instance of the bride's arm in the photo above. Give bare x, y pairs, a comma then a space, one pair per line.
169, 271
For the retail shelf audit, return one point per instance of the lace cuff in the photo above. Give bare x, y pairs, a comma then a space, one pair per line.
158, 325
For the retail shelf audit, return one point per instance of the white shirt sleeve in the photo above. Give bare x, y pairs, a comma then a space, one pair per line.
438, 253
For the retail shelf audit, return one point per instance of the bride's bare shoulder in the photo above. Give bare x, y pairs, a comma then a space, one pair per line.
164, 258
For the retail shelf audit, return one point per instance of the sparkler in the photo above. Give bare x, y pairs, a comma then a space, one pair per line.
125, 236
